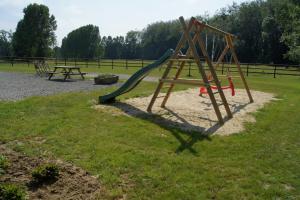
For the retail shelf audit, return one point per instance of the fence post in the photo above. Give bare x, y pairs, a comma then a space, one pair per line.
275, 71
12, 62
98, 62
247, 73
55, 60
65, 62
112, 63
126, 64
28, 63
142, 62
75, 61
189, 69
222, 67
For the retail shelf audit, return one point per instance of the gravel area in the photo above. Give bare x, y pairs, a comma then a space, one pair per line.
17, 86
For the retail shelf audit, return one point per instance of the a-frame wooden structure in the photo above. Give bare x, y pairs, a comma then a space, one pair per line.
192, 36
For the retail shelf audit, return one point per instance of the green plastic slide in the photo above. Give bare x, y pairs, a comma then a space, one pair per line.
135, 79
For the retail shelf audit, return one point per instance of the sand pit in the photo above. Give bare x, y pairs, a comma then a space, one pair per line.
190, 112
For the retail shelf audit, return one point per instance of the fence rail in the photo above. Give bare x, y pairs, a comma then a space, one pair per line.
247, 68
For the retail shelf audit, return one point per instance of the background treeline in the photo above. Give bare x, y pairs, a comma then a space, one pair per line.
268, 32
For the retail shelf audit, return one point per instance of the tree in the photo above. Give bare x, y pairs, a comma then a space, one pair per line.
84, 42
132, 47
34, 34
5, 43
114, 47
158, 37
288, 15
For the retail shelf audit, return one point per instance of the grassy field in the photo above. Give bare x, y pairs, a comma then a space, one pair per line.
146, 160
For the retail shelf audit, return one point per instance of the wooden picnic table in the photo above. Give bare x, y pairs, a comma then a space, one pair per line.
67, 71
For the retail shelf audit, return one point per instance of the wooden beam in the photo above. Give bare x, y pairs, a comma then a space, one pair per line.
163, 104
180, 44
201, 69
197, 22
196, 82
235, 58
182, 60
214, 75
230, 76
221, 57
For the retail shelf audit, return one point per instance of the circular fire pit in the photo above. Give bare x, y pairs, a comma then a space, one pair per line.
106, 79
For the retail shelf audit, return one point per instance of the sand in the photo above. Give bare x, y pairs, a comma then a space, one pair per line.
188, 111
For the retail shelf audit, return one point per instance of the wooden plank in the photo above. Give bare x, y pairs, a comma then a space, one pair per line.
235, 58
196, 82
183, 60
199, 23
201, 69
214, 75
230, 76
221, 58
167, 70
188, 52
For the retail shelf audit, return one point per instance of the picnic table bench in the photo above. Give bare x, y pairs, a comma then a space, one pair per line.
66, 71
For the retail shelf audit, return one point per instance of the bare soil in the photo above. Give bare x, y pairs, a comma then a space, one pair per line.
188, 111
73, 182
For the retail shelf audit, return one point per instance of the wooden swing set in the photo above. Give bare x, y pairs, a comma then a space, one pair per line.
192, 37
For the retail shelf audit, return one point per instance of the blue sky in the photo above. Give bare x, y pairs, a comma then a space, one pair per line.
114, 17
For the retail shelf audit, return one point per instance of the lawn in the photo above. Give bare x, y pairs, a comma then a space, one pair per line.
146, 160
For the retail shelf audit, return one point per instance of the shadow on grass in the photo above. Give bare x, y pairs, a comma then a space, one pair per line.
175, 126
172, 126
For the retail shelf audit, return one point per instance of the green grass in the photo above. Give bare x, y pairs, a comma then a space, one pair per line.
146, 160
3, 164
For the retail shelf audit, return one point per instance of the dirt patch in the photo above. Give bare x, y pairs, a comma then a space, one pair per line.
190, 112
73, 182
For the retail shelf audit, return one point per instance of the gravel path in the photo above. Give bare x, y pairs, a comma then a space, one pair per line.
17, 86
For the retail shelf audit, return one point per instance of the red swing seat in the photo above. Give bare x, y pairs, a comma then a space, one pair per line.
203, 90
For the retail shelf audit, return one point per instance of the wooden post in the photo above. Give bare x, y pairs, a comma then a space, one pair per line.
247, 73
65, 62
112, 63
126, 63
274, 71
142, 63
214, 75
188, 52
201, 69
222, 68
98, 62
230, 43
168, 68
190, 64
75, 59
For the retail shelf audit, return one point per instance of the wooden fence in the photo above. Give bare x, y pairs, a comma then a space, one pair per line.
248, 68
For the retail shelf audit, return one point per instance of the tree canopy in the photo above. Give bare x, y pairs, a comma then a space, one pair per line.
268, 31
5, 43
34, 34
83, 42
